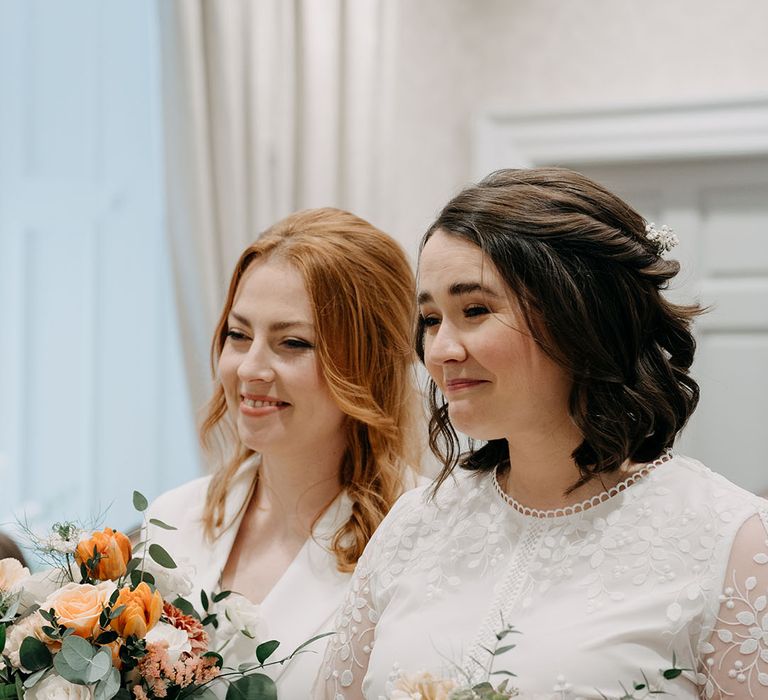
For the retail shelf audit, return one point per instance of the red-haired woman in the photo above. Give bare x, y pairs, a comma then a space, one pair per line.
314, 409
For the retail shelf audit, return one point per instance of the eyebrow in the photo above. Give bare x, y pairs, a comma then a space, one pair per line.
458, 289
276, 326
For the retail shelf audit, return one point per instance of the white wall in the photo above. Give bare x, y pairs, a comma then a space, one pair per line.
456, 58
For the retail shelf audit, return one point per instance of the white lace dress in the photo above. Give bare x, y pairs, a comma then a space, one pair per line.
674, 561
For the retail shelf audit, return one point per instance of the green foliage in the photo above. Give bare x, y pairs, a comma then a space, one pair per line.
186, 607
82, 663
8, 691
161, 556
266, 649
161, 524
256, 686
34, 678
2, 637
140, 502
108, 686
34, 655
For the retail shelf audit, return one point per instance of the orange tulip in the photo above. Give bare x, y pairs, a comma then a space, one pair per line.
142, 611
114, 550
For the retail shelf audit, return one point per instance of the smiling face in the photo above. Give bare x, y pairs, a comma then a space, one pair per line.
273, 385
478, 349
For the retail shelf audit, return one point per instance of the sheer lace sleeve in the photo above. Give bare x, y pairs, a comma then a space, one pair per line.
735, 659
346, 660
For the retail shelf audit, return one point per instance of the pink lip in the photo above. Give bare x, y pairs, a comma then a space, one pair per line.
454, 385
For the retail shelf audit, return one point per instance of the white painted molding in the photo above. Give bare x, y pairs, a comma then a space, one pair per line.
619, 134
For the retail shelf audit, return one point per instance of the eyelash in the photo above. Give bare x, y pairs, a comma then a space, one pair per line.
472, 311
290, 343
296, 344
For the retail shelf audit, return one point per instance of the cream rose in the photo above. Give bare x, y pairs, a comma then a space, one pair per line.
78, 605
241, 629
12, 573
29, 626
54, 687
172, 582
177, 640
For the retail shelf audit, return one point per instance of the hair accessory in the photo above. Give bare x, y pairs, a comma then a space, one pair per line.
663, 238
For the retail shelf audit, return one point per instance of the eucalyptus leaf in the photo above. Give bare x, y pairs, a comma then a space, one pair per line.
2, 637
140, 502
108, 686
161, 524
161, 556
266, 649
77, 653
34, 655
67, 672
254, 687
34, 678
101, 665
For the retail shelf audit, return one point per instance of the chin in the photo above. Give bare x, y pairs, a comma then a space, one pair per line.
472, 427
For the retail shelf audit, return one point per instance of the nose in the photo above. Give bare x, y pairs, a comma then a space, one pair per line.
444, 345
256, 365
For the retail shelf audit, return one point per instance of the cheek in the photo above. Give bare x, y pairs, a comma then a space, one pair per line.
227, 373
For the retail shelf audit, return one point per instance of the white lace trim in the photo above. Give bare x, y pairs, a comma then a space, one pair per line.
506, 596
583, 505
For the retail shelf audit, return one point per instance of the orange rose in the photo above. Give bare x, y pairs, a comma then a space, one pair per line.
142, 611
114, 550
78, 606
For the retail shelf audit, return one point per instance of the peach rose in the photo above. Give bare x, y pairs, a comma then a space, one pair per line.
78, 606
11, 573
114, 550
142, 611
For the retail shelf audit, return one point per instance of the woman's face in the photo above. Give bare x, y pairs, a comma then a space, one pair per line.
478, 349
269, 369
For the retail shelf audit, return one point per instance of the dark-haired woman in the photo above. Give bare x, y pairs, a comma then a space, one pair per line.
548, 341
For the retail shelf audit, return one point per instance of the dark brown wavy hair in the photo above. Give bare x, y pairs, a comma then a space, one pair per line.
362, 292
589, 283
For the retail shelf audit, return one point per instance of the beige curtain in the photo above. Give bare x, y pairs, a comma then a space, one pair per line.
269, 106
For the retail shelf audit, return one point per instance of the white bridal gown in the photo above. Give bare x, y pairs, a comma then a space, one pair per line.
673, 561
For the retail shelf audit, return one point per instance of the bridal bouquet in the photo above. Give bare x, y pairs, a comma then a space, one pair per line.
106, 620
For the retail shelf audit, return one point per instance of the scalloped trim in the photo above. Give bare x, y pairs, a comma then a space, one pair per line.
586, 504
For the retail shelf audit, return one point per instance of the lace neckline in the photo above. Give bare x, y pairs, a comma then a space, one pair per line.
582, 506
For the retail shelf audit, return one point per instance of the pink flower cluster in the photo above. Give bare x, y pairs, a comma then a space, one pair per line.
158, 672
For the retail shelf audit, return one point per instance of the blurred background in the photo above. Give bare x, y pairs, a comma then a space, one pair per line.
144, 143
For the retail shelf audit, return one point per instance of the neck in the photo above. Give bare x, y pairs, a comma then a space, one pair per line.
294, 489
541, 469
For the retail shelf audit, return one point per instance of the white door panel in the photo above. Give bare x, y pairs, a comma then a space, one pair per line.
719, 210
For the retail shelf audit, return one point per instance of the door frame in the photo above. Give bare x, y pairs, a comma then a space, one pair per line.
616, 134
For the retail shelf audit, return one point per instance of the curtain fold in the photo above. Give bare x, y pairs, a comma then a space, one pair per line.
269, 106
